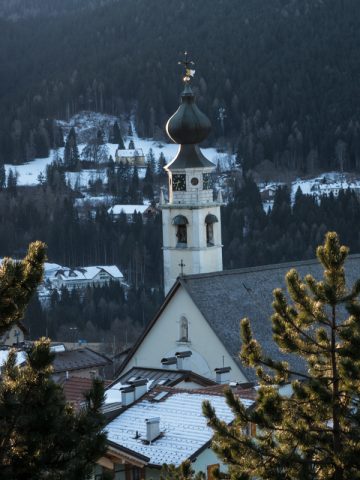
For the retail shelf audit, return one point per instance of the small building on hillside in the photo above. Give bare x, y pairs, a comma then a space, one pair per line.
147, 211
83, 277
133, 158
165, 425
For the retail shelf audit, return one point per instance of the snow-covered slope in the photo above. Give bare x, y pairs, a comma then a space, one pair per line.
28, 174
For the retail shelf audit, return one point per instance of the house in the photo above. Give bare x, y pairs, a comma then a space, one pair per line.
15, 335
80, 363
165, 425
147, 211
268, 193
133, 158
83, 277
75, 388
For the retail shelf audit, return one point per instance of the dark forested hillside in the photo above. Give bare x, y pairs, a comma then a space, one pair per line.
286, 71
16, 10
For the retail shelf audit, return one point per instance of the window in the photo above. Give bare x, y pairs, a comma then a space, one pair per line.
181, 235
210, 234
180, 223
210, 219
184, 330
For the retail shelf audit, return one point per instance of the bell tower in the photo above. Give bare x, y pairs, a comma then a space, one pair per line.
191, 218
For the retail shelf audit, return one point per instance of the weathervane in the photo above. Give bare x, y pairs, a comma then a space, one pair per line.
189, 72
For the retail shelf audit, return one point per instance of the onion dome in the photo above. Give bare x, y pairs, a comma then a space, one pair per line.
188, 125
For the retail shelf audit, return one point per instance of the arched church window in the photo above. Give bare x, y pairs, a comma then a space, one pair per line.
184, 330
180, 222
209, 222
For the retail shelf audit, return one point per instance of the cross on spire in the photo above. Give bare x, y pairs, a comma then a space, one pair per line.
182, 265
188, 65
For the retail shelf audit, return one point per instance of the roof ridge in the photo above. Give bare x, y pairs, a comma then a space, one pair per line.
257, 268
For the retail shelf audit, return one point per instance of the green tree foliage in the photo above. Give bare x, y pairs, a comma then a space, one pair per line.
182, 472
18, 282
41, 435
71, 152
314, 432
116, 137
295, 117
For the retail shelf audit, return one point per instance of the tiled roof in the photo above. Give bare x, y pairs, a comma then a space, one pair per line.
74, 389
78, 359
224, 298
155, 377
183, 426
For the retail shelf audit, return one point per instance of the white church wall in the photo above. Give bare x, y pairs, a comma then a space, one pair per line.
163, 341
197, 256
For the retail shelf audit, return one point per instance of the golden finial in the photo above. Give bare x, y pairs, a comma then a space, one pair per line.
189, 71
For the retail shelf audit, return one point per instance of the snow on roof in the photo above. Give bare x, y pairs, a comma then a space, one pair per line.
87, 273
112, 270
57, 348
181, 421
20, 356
50, 269
130, 153
127, 209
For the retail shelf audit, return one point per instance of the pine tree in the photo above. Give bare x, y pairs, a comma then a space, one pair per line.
12, 182
183, 472
18, 282
2, 176
313, 433
131, 145
116, 137
71, 152
161, 164
41, 436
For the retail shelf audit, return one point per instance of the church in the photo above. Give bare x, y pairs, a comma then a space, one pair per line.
199, 321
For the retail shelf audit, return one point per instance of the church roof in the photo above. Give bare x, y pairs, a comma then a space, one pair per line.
224, 298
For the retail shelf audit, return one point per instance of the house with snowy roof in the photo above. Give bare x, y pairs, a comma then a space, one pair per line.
165, 425
83, 277
146, 211
133, 157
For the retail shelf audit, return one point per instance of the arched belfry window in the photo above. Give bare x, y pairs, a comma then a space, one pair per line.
210, 219
184, 330
180, 222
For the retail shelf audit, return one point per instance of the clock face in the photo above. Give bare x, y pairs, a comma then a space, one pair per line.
207, 181
194, 181
179, 182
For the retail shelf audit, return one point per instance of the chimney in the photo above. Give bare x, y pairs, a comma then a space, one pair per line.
169, 362
152, 428
222, 375
140, 386
182, 359
127, 395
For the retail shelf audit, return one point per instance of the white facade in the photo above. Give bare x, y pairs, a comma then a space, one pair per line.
166, 337
195, 245
85, 277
